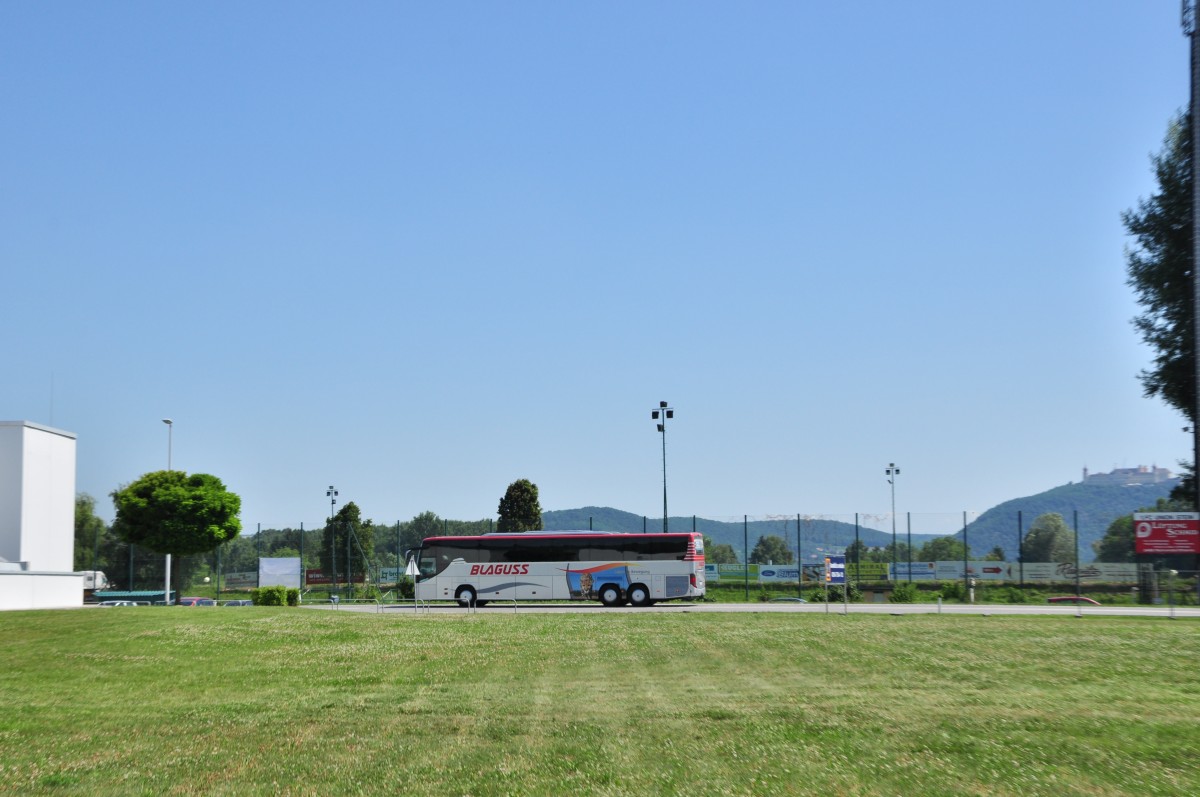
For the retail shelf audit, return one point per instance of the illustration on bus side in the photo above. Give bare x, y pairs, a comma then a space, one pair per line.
582, 583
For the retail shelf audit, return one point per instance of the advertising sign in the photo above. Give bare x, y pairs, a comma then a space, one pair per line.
314, 576
778, 573
239, 580
1166, 532
920, 571
871, 571
979, 570
279, 572
737, 571
835, 570
1093, 572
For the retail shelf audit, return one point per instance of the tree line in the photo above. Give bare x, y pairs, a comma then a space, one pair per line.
353, 546
194, 518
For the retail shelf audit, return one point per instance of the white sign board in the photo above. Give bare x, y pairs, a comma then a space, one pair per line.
279, 572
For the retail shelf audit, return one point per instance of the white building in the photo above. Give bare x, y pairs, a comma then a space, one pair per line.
37, 517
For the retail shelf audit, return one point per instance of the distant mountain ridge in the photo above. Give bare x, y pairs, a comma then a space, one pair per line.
1095, 505
817, 536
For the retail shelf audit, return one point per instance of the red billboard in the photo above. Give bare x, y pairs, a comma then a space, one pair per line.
1166, 532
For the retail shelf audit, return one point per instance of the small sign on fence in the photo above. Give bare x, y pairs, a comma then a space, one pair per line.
835, 570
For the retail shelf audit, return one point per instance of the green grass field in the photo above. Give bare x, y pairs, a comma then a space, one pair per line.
267, 701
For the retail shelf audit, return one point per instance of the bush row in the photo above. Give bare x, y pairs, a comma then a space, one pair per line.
275, 596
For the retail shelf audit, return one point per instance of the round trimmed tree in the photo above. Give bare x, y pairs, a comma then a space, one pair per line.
172, 512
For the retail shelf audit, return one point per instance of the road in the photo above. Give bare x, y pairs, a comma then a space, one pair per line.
675, 607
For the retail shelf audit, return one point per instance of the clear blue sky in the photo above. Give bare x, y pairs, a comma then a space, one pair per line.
421, 250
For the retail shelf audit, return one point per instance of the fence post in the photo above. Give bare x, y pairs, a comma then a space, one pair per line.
746, 554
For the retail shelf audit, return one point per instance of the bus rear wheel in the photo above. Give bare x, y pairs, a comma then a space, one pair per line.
466, 597
610, 595
639, 595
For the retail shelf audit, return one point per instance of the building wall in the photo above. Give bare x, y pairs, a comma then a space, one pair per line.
40, 590
11, 481
37, 496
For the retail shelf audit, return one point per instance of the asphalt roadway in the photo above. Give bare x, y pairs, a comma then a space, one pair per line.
675, 607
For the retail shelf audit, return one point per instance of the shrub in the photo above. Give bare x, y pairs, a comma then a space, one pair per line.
954, 591
269, 596
817, 595
293, 596
367, 592
905, 592
1006, 594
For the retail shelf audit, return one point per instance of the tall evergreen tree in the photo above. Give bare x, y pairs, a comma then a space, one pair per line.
519, 508
346, 540
1159, 264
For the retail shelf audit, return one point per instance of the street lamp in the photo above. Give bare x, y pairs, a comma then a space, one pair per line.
170, 428
331, 494
167, 564
892, 472
662, 414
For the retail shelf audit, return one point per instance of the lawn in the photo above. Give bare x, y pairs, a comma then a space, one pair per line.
267, 701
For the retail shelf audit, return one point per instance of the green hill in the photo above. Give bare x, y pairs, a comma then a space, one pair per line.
817, 536
1097, 505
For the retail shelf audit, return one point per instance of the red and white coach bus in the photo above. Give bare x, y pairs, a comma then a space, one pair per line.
610, 567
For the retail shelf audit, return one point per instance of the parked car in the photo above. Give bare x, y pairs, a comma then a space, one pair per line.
117, 603
1072, 599
196, 602
239, 603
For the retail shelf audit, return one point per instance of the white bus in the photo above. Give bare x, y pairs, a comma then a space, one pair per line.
609, 567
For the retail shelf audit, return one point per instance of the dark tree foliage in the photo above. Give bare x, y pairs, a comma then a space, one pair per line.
1049, 540
718, 553
90, 533
771, 549
519, 508
1117, 543
169, 511
347, 540
857, 551
1160, 272
942, 549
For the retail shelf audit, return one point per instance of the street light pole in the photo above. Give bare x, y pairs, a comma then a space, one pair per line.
331, 494
892, 472
167, 565
170, 429
665, 412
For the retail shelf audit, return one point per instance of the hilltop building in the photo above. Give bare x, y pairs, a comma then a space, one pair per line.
1125, 477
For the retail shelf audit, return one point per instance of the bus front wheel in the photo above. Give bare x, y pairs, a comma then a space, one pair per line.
466, 597
610, 595
639, 595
